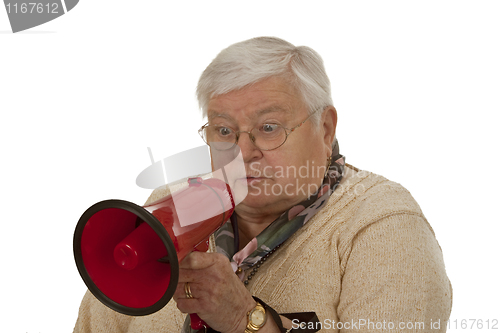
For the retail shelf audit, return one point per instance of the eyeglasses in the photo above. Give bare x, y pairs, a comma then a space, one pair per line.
265, 136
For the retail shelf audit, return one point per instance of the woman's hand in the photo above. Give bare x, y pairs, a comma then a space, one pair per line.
219, 297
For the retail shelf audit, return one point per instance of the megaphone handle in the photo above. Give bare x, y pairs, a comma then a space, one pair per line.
196, 322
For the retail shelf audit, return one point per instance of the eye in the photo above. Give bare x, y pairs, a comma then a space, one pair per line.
269, 128
224, 131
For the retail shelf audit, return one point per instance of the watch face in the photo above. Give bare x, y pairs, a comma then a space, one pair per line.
257, 317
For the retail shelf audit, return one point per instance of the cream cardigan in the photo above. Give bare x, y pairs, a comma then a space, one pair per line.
368, 261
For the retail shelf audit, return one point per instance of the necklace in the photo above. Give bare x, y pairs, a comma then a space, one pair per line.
256, 267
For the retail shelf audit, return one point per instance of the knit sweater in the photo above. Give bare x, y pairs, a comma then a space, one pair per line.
368, 261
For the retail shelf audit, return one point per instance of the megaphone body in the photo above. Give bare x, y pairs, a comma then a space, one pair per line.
129, 255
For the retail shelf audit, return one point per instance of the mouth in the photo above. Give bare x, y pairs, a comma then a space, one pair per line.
251, 179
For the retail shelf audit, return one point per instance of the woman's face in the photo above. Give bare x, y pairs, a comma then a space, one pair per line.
280, 178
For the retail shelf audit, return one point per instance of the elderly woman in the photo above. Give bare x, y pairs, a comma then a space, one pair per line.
317, 244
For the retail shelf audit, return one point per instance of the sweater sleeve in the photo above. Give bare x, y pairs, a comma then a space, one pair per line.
394, 278
94, 317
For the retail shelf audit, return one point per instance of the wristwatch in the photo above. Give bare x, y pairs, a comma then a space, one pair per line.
256, 318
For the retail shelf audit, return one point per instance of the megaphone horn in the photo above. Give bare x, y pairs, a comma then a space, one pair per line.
128, 255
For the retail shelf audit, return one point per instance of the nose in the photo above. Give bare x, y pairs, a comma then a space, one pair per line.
249, 151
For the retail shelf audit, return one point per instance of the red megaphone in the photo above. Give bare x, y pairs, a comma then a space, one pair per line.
128, 256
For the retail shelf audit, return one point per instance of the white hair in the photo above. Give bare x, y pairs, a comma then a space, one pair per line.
256, 59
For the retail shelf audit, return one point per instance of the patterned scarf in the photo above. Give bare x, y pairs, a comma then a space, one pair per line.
283, 227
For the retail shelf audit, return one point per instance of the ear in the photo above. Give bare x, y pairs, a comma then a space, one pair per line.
329, 123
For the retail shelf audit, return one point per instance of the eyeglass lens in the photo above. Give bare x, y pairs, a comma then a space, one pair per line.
267, 136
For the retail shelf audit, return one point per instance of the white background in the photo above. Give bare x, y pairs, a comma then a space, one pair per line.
416, 86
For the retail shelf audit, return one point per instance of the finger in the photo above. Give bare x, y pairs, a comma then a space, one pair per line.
187, 275
186, 304
201, 260
186, 291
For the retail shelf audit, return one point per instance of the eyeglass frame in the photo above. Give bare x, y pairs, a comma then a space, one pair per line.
252, 137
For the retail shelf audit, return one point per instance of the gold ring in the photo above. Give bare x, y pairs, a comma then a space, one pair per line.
187, 290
